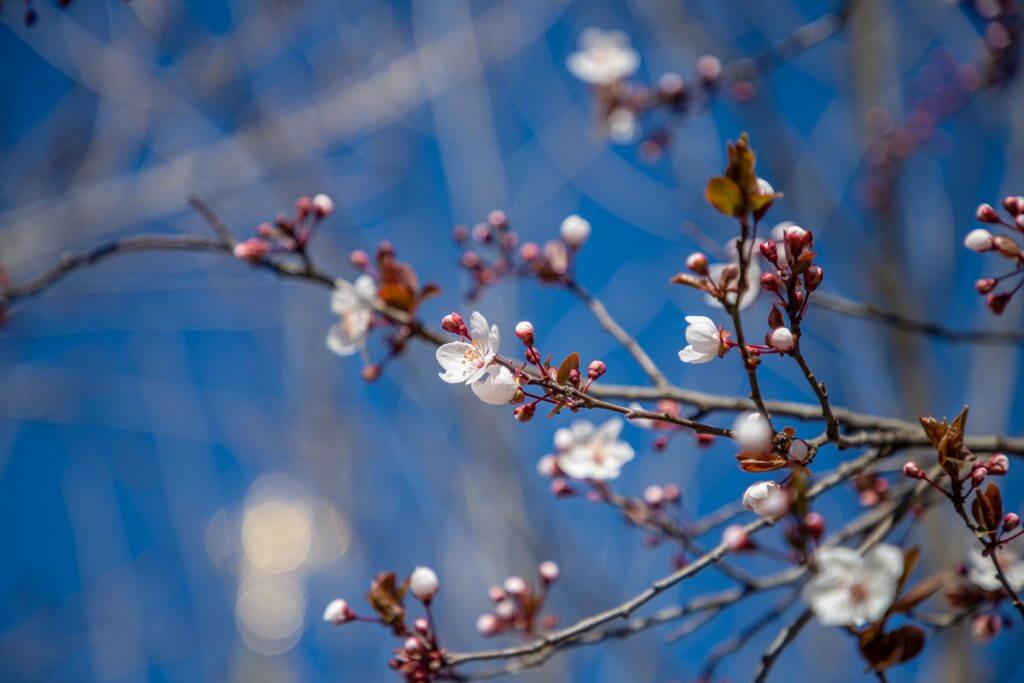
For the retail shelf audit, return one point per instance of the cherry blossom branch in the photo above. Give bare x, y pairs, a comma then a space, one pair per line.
613, 328
904, 434
734, 644
625, 609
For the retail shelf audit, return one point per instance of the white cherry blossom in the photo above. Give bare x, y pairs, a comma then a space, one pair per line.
978, 240
982, 573
849, 589
604, 57
703, 340
467, 362
353, 303
590, 452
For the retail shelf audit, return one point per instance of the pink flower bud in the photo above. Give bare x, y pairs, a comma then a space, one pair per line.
1013, 204
481, 232
813, 277
303, 205
530, 251
515, 585
471, 260
424, 584
999, 464
1011, 521
453, 323
422, 626
796, 238
978, 240
460, 233
735, 538
978, 475
705, 440
770, 251
698, 263
560, 487
771, 282
548, 571
487, 625
323, 205
912, 471
253, 249
985, 285
524, 330
814, 523
709, 68
497, 219
596, 369
371, 372
525, 412
505, 610
412, 645
986, 214
654, 495
672, 493
338, 612
359, 259
781, 339
265, 230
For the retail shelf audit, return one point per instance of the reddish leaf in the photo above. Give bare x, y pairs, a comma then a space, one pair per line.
571, 362
386, 598
885, 650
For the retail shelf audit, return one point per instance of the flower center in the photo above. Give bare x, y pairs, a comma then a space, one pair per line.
858, 593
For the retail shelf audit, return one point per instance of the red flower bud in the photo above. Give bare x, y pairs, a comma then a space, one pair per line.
1011, 521
497, 219
814, 523
771, 282
371, 372
770, 251
524, 413
813, 277
530, 251
359, 259
911, 470
985, 285
978, 475
524, 330
560, 487
997, 302
698, 263
986, 214
596, 369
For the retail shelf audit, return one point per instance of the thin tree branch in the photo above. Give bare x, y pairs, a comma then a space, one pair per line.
786, 636
613, 328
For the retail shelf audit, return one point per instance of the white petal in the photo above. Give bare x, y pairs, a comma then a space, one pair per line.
452, 357
339, 342
886, 559
497, 387
478, 329
692, 355
366, 287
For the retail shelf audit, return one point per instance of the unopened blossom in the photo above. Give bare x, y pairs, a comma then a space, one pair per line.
252, 249
735, 538
467, 361
766, 499
323, 205
604, 57
515, 585
487, 624
850, 589
595, 452
982, 573
423, 583
752, 431
498, 386
575, 230
338, 612
753, 276
703, 340
781, 339
979, 240
622, 126
353, 304
548, 571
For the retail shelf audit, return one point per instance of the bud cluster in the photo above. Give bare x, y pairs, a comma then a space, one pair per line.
518, 605
792, 276
982, 240
287, 234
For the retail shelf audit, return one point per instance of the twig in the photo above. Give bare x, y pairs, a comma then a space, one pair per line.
786, 636
212, 219
609, 324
